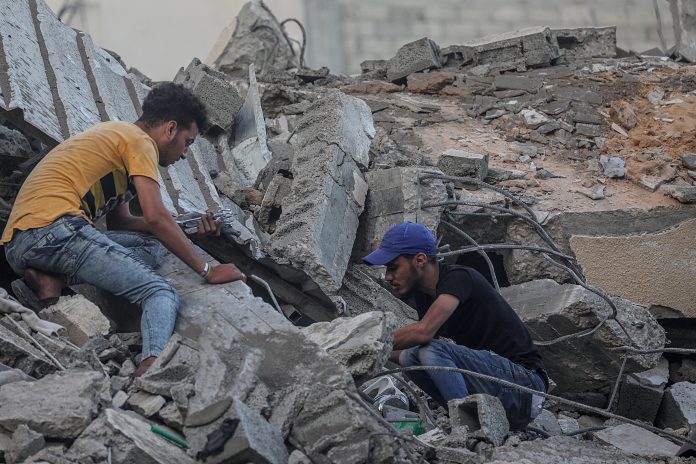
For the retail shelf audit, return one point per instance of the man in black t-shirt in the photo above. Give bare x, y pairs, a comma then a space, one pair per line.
458, 303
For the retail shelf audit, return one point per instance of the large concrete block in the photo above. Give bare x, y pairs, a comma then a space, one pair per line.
395, 196
361, 343
123, 436
219, 96
315, 233
550, 310
81, 318
483, 415
586, 42
461, 163
57, 406
257, 37
413, 57
650, 269
641, 393
678, 408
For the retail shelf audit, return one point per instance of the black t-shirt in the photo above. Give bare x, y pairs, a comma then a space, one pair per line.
483, 320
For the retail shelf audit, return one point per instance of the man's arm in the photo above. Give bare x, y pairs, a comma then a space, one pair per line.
121, 219
423, 331
161, 224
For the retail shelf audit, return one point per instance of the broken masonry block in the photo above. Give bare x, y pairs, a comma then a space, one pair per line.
636, 441
177, 364
18, 353
586, 42
431, 82
547, 422
396, 195
81, 318
57, 406
577, 365
361, 343
483, 415
146, 404
273, 202
25, 443
678, 408
641, 393
124, 436
460, 163
219, 96
413, 57
316, 230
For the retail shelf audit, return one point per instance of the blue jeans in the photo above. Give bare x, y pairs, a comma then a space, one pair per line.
444, 386
121, 263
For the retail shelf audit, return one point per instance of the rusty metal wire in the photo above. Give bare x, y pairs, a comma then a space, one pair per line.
303, 45
478, 250
617, 384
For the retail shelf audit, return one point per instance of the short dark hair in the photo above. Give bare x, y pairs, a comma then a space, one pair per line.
173, 102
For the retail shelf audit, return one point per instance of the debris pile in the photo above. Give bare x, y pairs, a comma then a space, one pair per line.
535, 156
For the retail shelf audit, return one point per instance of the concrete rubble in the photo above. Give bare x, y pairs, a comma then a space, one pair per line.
311, 168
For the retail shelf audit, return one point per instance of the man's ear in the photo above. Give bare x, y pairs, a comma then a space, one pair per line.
420, 259
170, 128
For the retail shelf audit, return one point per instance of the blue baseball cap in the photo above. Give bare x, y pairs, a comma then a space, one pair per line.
405, 238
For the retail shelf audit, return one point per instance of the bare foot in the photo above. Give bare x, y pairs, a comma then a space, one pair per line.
144, 366
46, 285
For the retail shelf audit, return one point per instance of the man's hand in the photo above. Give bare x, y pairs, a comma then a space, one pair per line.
208, 226
223, 273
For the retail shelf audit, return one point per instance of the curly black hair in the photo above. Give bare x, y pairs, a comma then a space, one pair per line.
173, 102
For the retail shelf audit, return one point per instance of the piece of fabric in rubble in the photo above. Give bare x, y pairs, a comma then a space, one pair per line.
9, 305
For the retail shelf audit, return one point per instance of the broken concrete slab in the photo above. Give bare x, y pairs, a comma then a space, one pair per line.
274, 200
219, 96
612, 166
81, 318
125, 437
362, 293
257, 37
25, 443
18, 353
413, 57
678, 408
530, 47
514, 82
460, 163
643, 268
431, 82
177, 364
171, 416
253, 440
684, 193
586, 42
483, 415
533, 119
568, 425
9, 375
547, 422
315, 233
641, 393
57, 406
145, 404
396, 196
361, 343
637, 441
550, 310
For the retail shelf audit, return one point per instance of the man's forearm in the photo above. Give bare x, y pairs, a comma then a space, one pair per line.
173, 238
410, 336
131, 223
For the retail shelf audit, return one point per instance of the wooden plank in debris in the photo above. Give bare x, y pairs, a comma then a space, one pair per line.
108, 79
65, 59
24, 80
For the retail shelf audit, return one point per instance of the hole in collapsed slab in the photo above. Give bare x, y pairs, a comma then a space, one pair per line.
567, 42
476, 261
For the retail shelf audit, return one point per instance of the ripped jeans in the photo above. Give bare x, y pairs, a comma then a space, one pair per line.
444, 386
122, 263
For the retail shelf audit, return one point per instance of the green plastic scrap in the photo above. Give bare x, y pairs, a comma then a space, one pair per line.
169, 436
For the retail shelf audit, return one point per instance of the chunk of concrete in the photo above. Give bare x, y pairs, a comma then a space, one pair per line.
689, 160
17, 353
363, 294
171, 416
460, 163
678, 408
253, 440
641, 393
547, 422
219, 96
57, 406
550, 310
684, 193
25, 443
650, 269
530, 47
413, 57
513, 82
612, 166
81, 318
316, 231
483, 415
177, 364
586, 42
361, 343
637, 441
534, 118
254, 37
431, 82
125, 437
274, 200
9, 375
396, 196
682, 370
145, 404
568, 425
